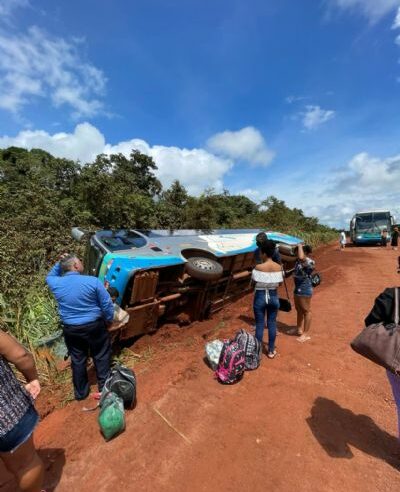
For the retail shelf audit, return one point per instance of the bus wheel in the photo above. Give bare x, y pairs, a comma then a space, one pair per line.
203, 268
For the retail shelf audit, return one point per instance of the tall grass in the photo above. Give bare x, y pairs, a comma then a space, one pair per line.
34, 318
317, 238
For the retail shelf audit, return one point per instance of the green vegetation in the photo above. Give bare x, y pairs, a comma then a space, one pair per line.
42, 197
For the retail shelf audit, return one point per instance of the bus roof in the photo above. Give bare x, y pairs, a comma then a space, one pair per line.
372, 211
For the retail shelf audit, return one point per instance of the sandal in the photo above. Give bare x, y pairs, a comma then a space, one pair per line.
303, 338
272, 355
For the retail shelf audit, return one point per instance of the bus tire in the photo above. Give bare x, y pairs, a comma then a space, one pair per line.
202, 268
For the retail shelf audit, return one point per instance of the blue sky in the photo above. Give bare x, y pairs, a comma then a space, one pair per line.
299, 99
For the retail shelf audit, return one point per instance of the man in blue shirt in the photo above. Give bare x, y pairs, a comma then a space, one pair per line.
85, 308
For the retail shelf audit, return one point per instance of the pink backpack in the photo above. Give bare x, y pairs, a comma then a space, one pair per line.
231, 363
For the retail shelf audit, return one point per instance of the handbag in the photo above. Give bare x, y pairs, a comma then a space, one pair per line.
315, 279
285, 304
380, 343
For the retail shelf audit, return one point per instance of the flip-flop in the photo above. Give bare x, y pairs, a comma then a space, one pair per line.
272, 355
302, 340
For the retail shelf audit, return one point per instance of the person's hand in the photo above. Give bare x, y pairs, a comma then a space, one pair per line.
33, 388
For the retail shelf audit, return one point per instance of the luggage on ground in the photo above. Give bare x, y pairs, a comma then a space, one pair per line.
112, 415
380, 343
231, 363
213, 352
122, 382
252, 349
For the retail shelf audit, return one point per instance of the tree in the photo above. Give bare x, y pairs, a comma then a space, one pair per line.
119, 192
171, 208
201, 214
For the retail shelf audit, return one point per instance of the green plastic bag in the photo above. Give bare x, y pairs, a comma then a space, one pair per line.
112, 416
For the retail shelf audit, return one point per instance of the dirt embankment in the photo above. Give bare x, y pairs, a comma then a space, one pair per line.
318, 417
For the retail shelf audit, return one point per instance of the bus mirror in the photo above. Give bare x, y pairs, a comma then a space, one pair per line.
78, 234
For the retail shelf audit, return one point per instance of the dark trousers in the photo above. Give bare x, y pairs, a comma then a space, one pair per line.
83, 340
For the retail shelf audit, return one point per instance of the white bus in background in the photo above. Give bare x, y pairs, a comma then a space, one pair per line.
366, 227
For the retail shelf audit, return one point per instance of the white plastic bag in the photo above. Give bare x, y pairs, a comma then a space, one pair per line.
213, 352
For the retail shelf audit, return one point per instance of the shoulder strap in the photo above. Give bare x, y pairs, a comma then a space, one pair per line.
284, 281
396, 305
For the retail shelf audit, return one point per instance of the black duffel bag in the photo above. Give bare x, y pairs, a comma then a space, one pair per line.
122, 382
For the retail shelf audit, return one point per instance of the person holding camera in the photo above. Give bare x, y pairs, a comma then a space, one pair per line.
303, 291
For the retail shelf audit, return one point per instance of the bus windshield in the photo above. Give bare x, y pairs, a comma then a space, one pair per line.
373, 221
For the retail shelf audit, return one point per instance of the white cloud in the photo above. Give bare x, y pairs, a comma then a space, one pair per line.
34, 65
246, 144
292, 99
374, 175
373, 10
396, 23
197, 169
83, 144
316, 116
366, 182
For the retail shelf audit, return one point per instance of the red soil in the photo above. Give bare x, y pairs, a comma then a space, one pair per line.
317, 418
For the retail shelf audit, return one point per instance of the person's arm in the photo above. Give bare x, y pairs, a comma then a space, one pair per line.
382, 310
23, 360
105, 302
300, 252
53, 275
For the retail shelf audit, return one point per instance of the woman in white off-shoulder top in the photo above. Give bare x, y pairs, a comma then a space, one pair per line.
267, 277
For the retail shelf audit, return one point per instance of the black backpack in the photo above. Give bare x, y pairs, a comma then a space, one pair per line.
122, 382
252, 349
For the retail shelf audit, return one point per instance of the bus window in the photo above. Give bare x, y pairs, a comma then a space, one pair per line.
381, 219
122, 240
94, 260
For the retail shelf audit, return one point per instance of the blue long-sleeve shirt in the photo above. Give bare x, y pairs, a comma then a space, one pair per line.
81, 299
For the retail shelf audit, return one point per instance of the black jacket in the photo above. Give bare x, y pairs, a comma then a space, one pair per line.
383, 310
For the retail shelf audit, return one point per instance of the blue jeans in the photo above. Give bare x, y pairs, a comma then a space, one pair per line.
270, 307
19, 434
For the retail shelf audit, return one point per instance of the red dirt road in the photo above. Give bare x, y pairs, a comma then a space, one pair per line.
316, 418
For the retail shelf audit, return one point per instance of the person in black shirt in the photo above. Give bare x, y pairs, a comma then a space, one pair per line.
261, 239
395, 238
383, 312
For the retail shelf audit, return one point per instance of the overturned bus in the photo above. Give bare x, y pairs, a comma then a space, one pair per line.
179, 276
